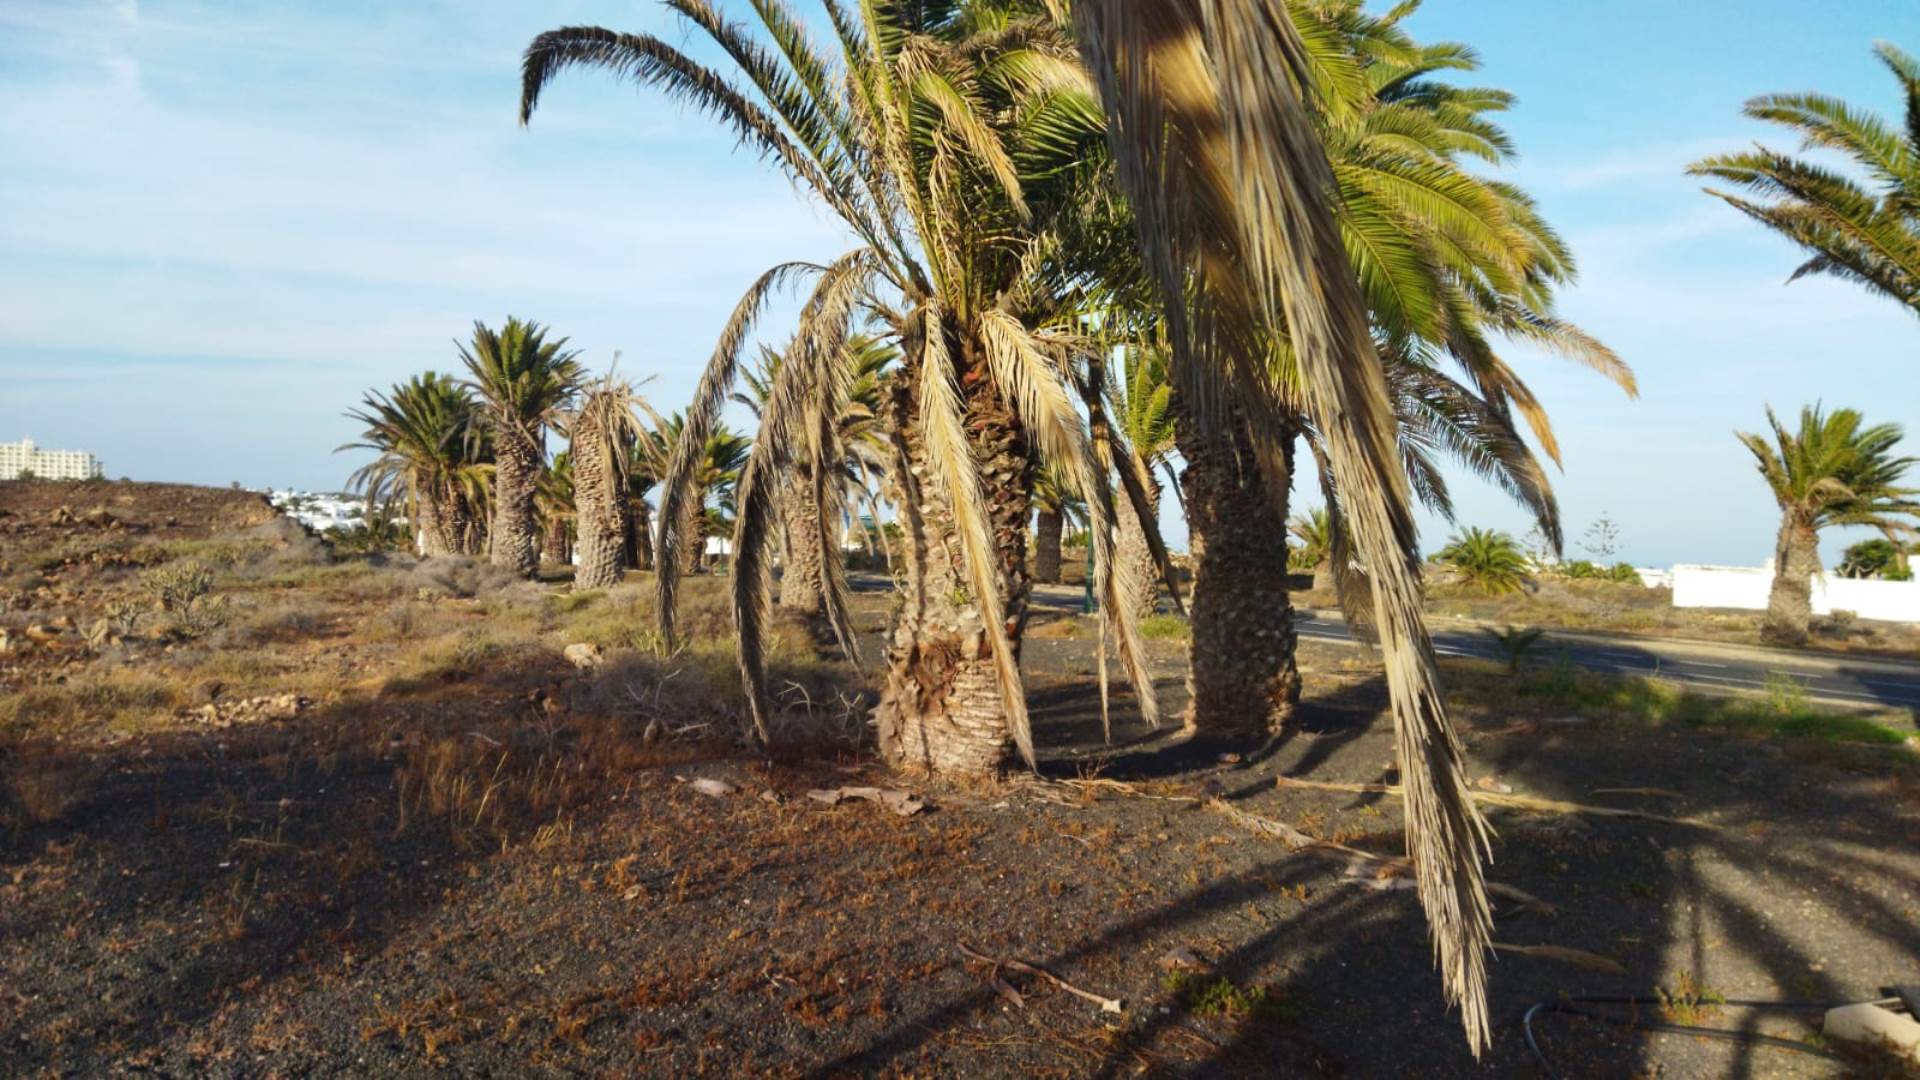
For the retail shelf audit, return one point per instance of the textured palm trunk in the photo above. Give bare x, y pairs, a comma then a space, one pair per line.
516, 471
693, 548
1323, 576
601, 514
1134, 551
1796, 560
941, 710
1046, 543
801, 579
556, 543
640, 533
1242, 673
432, 527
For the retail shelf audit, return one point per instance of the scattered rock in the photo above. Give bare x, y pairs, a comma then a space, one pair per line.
1181, 958
904, 803
1873, 1025
6, 640
207, 693
1488, 783
62, 623
42, 632
719, 789
223, 714
584, 655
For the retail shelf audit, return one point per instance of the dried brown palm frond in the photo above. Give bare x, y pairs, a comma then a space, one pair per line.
709, 397
1044, 405
1227, 175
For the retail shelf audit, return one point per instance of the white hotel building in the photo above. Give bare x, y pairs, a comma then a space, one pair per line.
24, 457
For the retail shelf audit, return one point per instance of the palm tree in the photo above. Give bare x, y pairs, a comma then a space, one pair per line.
1883, 559
1486, 559
432, 458
952, 141
714, 477
1863, 230
525, 381
1055, 507
1314, 530
602, 434
553, 504
1447, 261
1142, 402
1832, 471
802, 580
1232, 191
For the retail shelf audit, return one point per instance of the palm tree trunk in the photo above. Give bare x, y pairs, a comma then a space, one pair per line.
941, 710
1046, 555
556, 546
1242, 674
1134, 551
693, 543
601, 514
801, 579
640, 534
516, 471
431, 529
1796, 560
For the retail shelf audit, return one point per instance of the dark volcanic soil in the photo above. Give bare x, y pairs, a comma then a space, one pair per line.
493, 872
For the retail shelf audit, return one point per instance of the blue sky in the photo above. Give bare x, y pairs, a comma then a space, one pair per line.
220, 223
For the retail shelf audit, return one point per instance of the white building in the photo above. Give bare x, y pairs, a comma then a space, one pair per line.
24, 457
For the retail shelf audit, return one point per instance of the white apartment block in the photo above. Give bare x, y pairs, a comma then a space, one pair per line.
24, 457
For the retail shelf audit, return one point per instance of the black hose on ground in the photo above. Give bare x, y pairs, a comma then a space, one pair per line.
1569, 1006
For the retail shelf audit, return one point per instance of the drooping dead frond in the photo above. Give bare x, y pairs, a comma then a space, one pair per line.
1227, 174
716, 382
1040, 398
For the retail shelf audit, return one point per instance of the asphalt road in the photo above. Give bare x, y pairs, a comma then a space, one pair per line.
1710, 667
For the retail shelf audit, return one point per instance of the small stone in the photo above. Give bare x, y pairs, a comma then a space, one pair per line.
584, 655
1181, 958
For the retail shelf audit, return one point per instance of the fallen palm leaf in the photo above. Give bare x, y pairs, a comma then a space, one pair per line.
1107, 1004
1576, 957
904, 803
1490, 798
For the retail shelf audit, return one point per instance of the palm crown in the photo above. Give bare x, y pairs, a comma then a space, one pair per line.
428, 441
525, 380
1862, 230
1833, 471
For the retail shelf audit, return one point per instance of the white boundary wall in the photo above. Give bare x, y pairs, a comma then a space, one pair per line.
1746, 588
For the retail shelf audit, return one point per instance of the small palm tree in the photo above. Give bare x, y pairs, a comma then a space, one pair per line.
1314, 531
1832, 471
1881, 558
553, 500
1491, 561
1055, 507
525, 382
1865, 232
432, 459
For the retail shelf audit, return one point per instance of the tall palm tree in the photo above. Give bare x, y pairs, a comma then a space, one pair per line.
525, 382
1832, 471
602, 434
1447, 262
950, 140
1863, 230
1230, 183
432, 458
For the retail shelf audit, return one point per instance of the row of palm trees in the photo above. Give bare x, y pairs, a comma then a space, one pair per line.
466, 463
1095, 236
